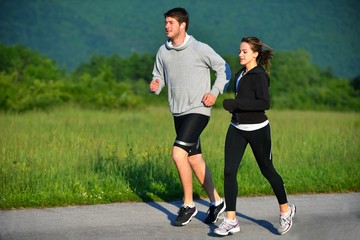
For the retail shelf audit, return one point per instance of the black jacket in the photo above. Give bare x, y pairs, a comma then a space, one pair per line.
252, 97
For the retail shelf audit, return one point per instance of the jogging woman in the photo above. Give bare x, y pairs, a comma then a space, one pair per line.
250, 125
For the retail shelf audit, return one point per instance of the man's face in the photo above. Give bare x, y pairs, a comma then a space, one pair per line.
172, 27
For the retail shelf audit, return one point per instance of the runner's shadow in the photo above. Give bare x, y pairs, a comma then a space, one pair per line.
263, 223
172, 215
202, 215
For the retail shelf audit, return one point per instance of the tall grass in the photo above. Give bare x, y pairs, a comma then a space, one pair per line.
72, 156
314, 152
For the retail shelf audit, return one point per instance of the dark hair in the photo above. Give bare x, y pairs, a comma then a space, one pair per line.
264, 54
180, 14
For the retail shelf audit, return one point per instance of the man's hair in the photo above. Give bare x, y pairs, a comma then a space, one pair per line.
180, 14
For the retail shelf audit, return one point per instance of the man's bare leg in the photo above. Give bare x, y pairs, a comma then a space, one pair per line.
204, 176
180, 157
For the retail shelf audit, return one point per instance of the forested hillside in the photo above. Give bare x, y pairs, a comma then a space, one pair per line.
31, 81
71, 31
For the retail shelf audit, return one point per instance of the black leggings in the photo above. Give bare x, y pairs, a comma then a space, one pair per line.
235, 145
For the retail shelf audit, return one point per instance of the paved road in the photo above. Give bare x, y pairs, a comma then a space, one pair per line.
320, 216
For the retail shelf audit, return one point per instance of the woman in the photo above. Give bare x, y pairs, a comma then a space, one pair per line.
250, 125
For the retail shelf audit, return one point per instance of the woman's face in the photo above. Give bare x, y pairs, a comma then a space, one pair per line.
246, 54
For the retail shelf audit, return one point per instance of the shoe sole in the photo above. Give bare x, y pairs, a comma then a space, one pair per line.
220, 212
292, 215
233, 230
184, 223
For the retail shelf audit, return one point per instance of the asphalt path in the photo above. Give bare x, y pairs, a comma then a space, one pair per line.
319, 216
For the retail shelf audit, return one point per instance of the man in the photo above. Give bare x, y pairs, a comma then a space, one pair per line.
183, 64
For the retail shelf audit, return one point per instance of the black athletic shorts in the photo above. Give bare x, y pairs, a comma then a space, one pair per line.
188, 129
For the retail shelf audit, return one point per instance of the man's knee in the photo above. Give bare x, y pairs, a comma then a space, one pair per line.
195, 160
179, 154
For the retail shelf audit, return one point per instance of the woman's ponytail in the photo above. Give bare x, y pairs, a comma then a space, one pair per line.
265, 55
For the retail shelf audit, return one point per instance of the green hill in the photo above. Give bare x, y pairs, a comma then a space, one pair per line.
70, 31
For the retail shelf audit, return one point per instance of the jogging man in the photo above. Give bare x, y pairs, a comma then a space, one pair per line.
183, 64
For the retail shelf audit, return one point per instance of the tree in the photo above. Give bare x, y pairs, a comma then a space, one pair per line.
27, 64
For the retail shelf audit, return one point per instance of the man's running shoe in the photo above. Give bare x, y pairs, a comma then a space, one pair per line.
227, 227
185, 214
214, 213
285, 222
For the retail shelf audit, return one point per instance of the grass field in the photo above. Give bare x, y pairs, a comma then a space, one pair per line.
72, 156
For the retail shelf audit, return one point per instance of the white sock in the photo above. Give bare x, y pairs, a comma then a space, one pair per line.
217, 203
189, 205
232, 221
285, 214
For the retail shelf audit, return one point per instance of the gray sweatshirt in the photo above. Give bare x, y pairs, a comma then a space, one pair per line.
186, 72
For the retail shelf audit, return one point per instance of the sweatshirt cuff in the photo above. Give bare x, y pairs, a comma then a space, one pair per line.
215, 92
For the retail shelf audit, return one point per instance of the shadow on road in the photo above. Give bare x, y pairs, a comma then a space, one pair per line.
171, 216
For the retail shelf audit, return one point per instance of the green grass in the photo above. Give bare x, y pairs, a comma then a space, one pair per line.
73, 156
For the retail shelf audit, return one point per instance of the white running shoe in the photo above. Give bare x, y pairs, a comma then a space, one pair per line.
227, 227
285, 222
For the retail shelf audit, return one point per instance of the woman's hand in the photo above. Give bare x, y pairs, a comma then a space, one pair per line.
229, 105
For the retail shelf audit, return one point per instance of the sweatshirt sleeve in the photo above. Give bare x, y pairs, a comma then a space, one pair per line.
261, 101
158, 72
221, 68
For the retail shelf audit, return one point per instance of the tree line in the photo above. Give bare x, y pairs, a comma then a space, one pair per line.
31, 81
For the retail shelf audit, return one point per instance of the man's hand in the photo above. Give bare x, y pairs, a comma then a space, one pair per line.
154, 85
209, 100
